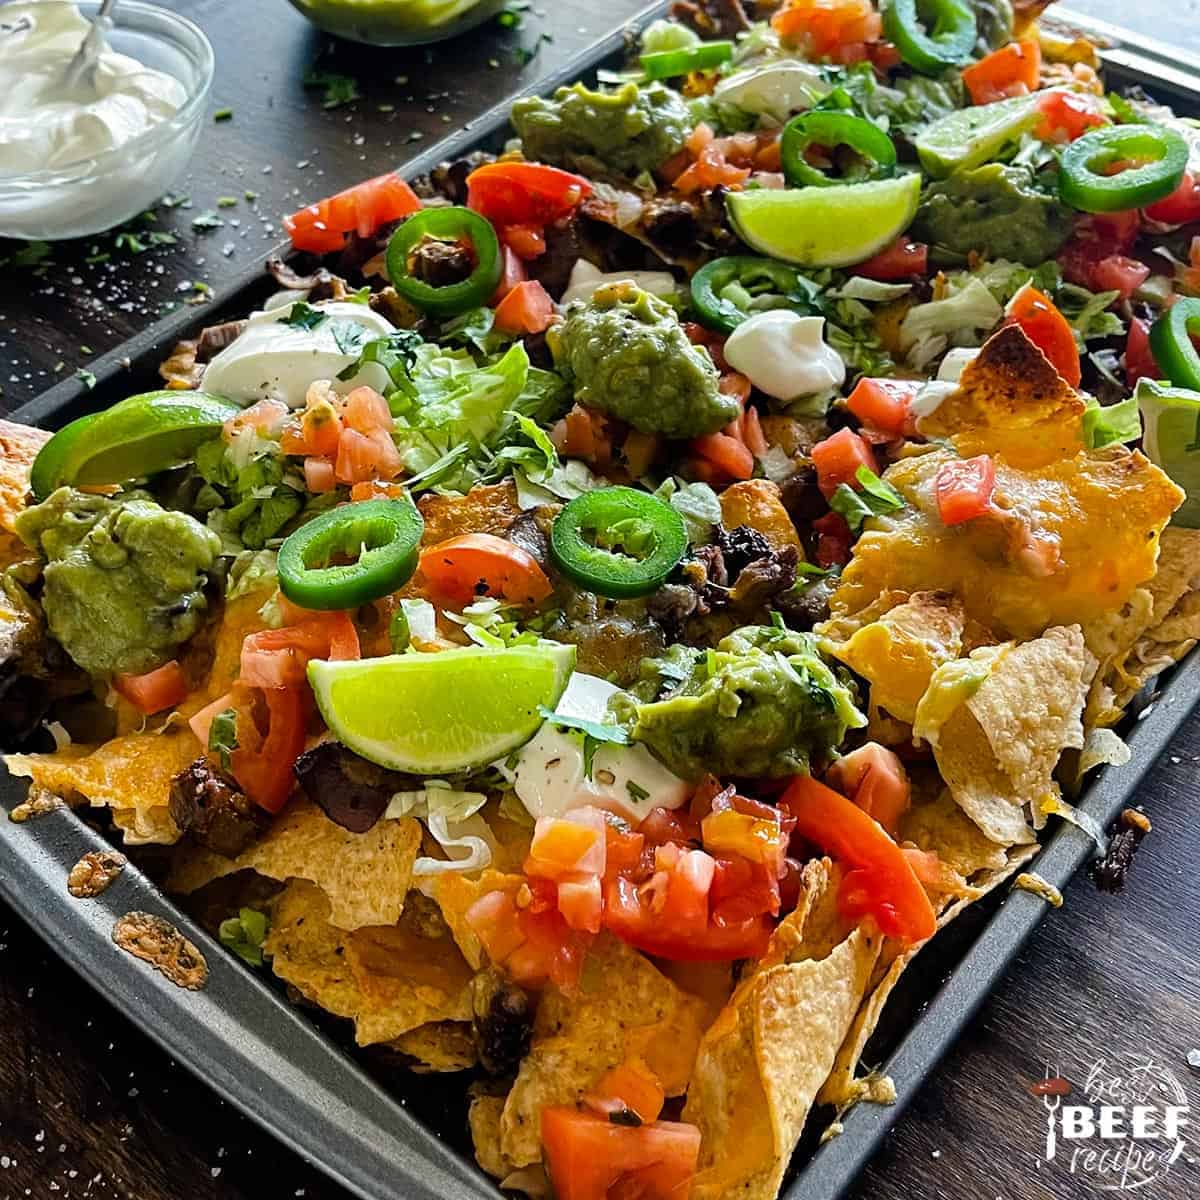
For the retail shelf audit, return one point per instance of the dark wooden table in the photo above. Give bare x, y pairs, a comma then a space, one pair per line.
90, 1107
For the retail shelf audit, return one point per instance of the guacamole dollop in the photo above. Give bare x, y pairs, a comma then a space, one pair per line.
995, 210
630, 129
624, 351
762, 704
124, 577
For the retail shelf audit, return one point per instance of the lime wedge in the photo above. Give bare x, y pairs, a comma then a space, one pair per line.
139, 436
972, 136
825, 226
446, 711
1171, 440
47, 471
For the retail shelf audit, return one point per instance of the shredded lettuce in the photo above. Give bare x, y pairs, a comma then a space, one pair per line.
697, 504
960, 319
1111, 424
451, 817
245, 497
873, 498
245, 935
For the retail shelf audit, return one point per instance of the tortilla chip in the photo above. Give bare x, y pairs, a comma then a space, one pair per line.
624, 1007
898, 653
935, 823
997, 749
388, 981
757, 503
1010, 402
439, 1047
486, 508
365, 875
19, 446
761, 1064
484, 1120
130, 775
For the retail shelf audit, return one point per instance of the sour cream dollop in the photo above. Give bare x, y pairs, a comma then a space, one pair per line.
272, 360
785, 355
46, 124
548, 774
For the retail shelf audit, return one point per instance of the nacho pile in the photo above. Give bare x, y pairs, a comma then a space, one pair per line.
598, 642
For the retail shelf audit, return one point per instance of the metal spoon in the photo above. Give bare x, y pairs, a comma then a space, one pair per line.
90, 47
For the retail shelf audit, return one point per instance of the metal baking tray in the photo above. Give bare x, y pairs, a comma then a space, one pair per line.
291, 1075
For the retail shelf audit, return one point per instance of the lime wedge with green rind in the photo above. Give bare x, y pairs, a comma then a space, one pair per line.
972, 136
47, 470
834, 226
436, 713
1171, 439
139, 436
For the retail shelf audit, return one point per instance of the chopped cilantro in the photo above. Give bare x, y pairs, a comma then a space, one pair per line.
223, 114
30, 254
87, 378
304, 316
222, 736
875, 498
207, 220
226, 201
348, 335
637, 793
338, 89
131, 242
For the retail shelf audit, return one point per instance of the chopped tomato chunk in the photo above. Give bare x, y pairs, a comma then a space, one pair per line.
263, 765
1067, 115
901, 260
630, 1087
480, 564
874, 778
1139, 358
833, 540
964, 489
363, 209
532, 942
514, 273
1010, 71
880, 881
841, 30
885, 404
164, 687
730, 455
526, 309
524, 193
278, 658
527, 241
319, 475
1182, 206
838, 459
1118, 273
1047, 329
591, 1158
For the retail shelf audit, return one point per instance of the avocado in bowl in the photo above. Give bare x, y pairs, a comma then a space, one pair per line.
397, 22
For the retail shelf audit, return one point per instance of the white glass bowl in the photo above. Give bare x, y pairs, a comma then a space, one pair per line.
98, 193
397, 22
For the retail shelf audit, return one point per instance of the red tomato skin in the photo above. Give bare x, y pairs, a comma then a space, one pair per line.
362, 209
514, 273
1066, 116
885, 404
464, 568
834, 540
151, 692
901, 260
367, 411
519, 193
527, 241
265, 773
591, 1158
880, 882
1011, 70
838, 459
527, 309
1139, 358
1119, 273
728, 454
875, 779
1047, 329
1181, 207
964, 489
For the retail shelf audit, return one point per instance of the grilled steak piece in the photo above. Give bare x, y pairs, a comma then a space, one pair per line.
206, 804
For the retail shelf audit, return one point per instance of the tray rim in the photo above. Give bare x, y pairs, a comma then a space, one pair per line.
359, 1145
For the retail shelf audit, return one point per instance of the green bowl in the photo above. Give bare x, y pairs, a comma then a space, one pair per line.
397, 22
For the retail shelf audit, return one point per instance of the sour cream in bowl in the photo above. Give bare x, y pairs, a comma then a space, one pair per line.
77, 160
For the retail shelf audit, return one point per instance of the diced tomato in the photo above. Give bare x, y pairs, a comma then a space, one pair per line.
964, 489
472, 565
591, 1158
1047, 329
266, 418
1067, 115
885, 404
362, 457
753, 437
728, 454
901, 260
278, 658
880, 882
526, 309
533, 943
514, 273
319, 475
875, 779
527, 241
568, 846
833, 540
263, 765
524, 193
1139, 358
838, 459
1181, 206
374, 489
1117, 273
842, 30
164, 687
1115, 231
362, 209
756, 838
1010, 71
367, 412
711, 170
883, 56
629, 1087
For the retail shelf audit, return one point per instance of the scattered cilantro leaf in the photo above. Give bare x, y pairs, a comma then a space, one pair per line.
637, 793
223, 114
874, 499
338, 89
30, 254
348, 335
87, 378
207, 220
304, 316
222, 736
